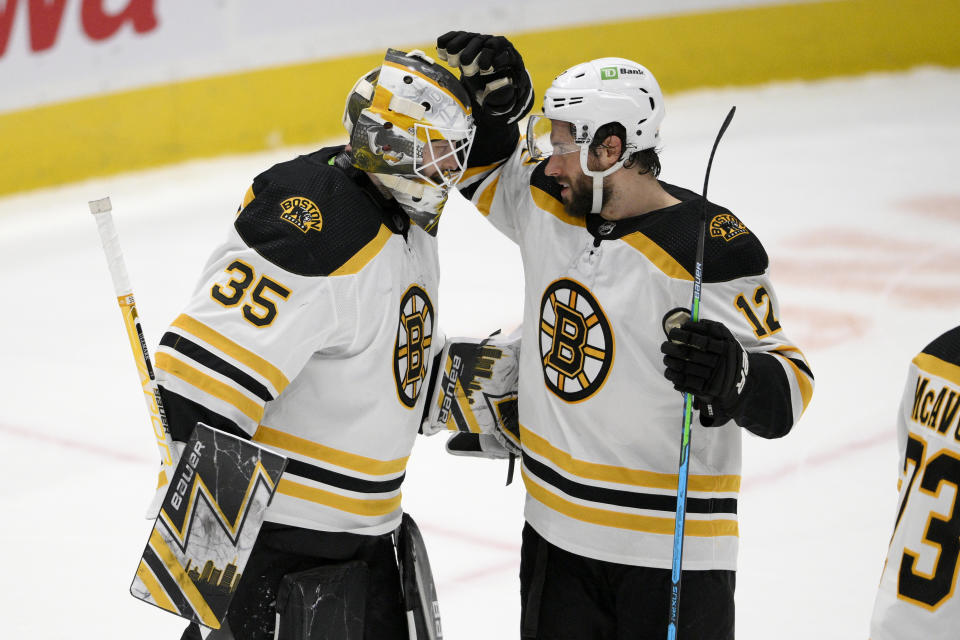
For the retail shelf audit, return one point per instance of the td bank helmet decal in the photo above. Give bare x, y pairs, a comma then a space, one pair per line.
411, 349
576, 343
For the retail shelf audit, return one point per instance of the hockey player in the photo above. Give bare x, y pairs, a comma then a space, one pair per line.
917, 595
312, 331
608, 254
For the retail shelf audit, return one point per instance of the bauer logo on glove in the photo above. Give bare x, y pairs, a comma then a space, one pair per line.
477, 389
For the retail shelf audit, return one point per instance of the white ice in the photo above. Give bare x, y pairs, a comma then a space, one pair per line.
852, 185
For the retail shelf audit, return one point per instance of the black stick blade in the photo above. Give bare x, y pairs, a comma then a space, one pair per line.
723, 129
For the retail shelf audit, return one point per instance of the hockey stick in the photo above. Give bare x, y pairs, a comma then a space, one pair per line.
688, 409
101, 210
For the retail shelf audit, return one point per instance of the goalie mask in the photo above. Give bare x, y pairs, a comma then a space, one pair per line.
410, 125
589, 95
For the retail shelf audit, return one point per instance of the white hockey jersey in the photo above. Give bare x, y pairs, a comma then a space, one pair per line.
600, 426
312, 331
917, 595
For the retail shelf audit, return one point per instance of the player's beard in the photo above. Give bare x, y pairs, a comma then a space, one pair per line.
580, 200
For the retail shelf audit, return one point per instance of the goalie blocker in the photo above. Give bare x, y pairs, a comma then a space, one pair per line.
205, 533
208, 521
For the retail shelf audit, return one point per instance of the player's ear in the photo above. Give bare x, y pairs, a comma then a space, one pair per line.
609, 151
614, 147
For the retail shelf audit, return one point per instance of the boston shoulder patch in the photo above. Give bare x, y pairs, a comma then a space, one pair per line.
312, 219
412, 346
726, 226
302, 213
576, 341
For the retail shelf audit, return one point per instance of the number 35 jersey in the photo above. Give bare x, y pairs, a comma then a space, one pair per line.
600, 425
311, 332
917, 596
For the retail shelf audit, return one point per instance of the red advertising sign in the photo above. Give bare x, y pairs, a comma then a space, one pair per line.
45, 16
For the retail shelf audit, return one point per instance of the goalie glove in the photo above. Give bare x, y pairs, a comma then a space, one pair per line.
704, 359
480, 445
475, 395
492, 71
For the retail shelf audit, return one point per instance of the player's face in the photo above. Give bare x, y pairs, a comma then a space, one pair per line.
563, 165
438, 158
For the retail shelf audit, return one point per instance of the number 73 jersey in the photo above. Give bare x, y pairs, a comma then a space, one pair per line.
917, 596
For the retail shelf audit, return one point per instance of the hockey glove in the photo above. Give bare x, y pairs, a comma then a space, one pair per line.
492, 71
704, 359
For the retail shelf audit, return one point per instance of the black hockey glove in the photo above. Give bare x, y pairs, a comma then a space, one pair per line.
492, 71
704, 359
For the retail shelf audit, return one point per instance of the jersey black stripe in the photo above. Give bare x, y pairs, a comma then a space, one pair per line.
211, 361
168, 583
183, 414
802, 366
634, 500
468, 191
341, 481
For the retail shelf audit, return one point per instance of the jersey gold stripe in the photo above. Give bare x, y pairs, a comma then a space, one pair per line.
485, 201
354, 462
655, 254
622, 475
465, 107
183, 581
247, 198
365, 255
472, 172
351, 505
940, 368
150, 581
553, 206
234, 350
212, 386
632, 521
803, 381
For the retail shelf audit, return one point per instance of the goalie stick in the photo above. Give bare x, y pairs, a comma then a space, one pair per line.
211, 513
102, 213
684, 470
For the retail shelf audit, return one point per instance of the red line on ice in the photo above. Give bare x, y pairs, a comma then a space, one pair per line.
820, 459
450, 584
73, 445
465, 536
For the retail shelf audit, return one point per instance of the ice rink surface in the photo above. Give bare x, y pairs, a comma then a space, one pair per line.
851, 184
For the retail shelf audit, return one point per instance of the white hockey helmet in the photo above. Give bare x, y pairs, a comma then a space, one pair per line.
592, 94
411, 125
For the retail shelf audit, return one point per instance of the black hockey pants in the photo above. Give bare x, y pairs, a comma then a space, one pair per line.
565, 596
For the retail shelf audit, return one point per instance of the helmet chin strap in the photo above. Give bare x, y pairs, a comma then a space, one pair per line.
598, 177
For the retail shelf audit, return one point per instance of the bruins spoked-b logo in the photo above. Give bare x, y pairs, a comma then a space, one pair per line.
726, 226
414, 336
576, 343
302, 213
